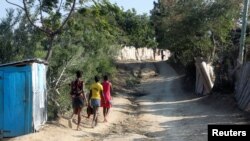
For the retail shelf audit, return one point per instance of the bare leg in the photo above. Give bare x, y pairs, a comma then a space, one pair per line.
106, 114
75, 110
95, 117
71, 118
79, 118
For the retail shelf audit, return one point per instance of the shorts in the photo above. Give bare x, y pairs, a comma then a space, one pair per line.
95, 103
78, 102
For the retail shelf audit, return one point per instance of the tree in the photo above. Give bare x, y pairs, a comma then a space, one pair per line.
88, 43
133, 29
49, 13
6, 35
195, 28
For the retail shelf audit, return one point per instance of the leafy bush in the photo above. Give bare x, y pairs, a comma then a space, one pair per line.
132, 81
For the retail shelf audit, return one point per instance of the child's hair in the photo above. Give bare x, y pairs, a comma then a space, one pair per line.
78, 74
97, 78
105, 77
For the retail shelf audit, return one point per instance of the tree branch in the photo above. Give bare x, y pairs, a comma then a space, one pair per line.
65, 21
55, 101
15, 4
64, 68
69, 62
59, 8
57, 91
41, 13
16, 19
32, 23
50, 44
95, 2
214, 47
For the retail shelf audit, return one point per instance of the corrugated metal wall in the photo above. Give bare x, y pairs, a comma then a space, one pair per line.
22, 99
243, 88
39, 94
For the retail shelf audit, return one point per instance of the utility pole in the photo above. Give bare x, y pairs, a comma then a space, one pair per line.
243, 32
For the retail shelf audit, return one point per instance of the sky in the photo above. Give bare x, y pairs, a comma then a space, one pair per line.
141, 6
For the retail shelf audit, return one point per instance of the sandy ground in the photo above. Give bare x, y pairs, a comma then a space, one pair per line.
60, 130
161, 110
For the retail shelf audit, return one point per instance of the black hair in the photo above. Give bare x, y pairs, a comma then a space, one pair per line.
78, 74
105, 77
97, 78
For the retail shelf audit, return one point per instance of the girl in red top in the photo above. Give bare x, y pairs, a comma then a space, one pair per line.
106, 100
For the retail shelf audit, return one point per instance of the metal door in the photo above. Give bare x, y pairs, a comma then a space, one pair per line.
1, 104
14, 103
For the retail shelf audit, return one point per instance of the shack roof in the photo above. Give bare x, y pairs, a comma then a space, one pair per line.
24, 62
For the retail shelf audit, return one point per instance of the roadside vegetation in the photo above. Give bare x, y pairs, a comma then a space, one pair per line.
198, 28
88, 41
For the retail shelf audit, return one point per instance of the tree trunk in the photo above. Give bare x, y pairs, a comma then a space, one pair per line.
214, 48
49, 50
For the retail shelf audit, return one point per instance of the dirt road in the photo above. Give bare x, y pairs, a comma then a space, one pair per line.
162, 111
166, 112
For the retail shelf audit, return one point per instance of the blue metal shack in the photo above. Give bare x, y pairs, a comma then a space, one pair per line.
23, 97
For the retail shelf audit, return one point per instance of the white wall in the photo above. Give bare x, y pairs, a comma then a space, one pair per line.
141, 54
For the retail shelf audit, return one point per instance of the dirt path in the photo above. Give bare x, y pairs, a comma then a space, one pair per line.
161, 111
168, 113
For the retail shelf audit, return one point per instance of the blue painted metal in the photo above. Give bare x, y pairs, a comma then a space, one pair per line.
23, 98
16, 96
14, 103
1, 102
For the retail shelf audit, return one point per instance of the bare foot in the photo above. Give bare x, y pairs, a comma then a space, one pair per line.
74, 120
78, 129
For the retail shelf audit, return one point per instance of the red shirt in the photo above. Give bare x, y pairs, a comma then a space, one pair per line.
106, 90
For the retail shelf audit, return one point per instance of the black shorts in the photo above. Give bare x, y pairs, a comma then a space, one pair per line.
78, 102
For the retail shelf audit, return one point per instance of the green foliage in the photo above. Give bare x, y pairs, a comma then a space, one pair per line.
134, 30
193, 28
138, 28
17, 38
49, 4
132, 81
88, 44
